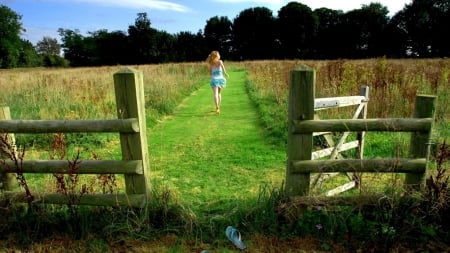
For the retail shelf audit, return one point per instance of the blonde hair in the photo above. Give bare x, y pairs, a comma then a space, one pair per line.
213, 57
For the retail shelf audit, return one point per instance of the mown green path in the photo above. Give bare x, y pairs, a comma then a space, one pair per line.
204, 158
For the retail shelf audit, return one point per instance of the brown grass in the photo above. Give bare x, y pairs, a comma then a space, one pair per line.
88, 93
79, 93
393, 83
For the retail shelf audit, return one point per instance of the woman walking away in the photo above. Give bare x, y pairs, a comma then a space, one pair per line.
218, 81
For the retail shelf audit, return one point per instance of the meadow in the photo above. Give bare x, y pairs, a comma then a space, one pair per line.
87, 93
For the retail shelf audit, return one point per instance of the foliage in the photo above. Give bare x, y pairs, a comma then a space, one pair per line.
423, 21
218, 35
363, 31
48, 46
297, 32
28, 56
254, 34
143, 40
189, 47
14, 52
54, 61
76, 50
49, 50
436, 209
8, 151
329, 21
271, 117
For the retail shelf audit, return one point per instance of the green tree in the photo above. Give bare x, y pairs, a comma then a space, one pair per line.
426, 24
77, 50
398, 43
190, 47
142, 40
254, 34
219, 35
48, 46
362, 31
10, 41
28, 56
49, 50
111, 47
327, 45
164, 45
297, 30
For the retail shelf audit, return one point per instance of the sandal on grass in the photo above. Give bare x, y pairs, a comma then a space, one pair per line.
235, 237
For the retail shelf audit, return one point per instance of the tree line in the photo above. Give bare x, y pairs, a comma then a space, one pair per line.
296, 32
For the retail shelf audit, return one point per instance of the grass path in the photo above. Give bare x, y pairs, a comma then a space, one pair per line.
207, 159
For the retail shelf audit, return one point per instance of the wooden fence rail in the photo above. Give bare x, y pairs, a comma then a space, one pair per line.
83, 166
393, 165
379, 125
69, 126
303, 125
131, 124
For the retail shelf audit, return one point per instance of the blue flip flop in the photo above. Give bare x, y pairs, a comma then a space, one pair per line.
235, 237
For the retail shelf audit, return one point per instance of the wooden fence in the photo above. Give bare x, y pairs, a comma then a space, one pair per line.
131, 124
303, 125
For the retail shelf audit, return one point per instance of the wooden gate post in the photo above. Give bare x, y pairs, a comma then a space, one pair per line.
7, 179
299, 146
424, 107
360, 136
130, 100
363, 115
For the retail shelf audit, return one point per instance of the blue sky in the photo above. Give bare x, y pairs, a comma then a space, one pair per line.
43, 17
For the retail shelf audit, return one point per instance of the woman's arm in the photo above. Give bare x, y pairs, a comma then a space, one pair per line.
209, 68
223, 68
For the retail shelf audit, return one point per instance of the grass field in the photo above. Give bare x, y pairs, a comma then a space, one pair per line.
220, 170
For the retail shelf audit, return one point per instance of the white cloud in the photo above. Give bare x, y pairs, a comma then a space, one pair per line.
138, 4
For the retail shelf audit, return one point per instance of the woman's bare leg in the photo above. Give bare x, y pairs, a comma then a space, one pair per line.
219, 95
217, 98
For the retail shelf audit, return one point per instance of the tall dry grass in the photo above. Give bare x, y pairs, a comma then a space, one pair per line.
393, 83
81, 93
88, 93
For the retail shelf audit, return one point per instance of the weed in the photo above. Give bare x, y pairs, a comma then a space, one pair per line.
9, 151
436, 207
437, 185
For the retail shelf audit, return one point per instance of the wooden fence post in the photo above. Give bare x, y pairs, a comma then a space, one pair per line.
360, 136
130, 100
363, 115
299, 146
425, 107
7, 179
